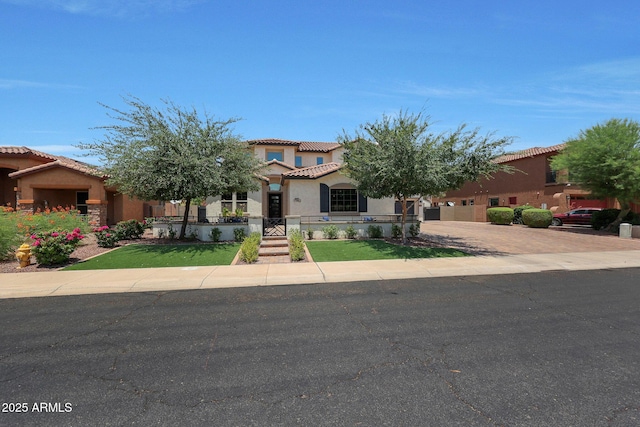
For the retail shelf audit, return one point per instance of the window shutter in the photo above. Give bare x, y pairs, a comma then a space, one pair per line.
324, 198
362, 203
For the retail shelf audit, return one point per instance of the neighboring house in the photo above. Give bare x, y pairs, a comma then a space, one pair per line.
533, 183
32, 180
302, 178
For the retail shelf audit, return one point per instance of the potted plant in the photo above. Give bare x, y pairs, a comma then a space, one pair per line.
226, 213
239, 214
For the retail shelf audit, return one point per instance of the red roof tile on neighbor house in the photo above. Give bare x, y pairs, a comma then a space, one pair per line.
531, 152
312, 172
312, 146
25, 151
60, 162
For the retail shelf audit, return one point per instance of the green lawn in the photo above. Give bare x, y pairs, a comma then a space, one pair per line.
361, 250
147, 256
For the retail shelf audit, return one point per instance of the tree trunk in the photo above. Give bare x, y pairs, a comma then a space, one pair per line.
185, 218
625, 208
404, 220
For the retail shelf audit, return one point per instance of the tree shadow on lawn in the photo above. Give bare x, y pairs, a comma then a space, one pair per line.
398, 251
461, 244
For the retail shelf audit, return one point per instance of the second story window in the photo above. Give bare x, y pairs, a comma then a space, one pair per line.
274, 155
319, 160
298, 161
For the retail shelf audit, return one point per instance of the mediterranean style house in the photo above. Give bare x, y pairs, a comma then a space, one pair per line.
533, 183
304, 179
32, 180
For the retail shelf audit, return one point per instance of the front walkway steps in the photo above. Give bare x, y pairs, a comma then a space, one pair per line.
274, 250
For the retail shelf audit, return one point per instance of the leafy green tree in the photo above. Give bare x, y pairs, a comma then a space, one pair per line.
173, 154
605, 159
400, 157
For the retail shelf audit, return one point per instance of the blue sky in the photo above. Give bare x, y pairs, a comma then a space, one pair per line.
537, 71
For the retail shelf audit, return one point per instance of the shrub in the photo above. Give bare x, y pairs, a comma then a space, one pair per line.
250, 247
9, 237
375, 231
215, 234
517, 213
396, 231
239, 234
601, 219
296, 246
130, 230
310, 233
414, 229
500, 216
351, 232
537, 218
330, 231
55, 247
106, 237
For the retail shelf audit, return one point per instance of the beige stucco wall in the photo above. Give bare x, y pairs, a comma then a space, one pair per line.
60, 178
304, 197
254, 204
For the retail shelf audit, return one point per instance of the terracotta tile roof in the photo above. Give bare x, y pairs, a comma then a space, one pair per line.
531, 152
25, 151
278, 162
52, 161
312, 172
321, 147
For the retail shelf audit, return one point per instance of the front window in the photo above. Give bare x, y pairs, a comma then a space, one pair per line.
298, 161
241, 201
344, 200
274, 155
494, 202
319, 160
227, 202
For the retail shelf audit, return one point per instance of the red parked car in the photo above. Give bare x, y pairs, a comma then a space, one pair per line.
580, 216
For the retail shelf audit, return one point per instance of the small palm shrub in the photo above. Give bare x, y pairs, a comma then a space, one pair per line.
250, 247
500, 216
296, 246
310, 232
239, 234
537, 218
330, 231
414, 229
396, 231
351, 232
215, 234
374, 231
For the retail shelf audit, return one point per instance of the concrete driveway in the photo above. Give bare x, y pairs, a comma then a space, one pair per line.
488, 239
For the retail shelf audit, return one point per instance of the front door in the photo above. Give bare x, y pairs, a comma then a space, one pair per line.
275, 205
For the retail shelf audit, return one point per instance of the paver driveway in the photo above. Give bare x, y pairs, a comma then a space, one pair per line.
489, 239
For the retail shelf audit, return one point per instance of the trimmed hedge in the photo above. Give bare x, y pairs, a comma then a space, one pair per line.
517, 213
500, 216
601, 219
537, 218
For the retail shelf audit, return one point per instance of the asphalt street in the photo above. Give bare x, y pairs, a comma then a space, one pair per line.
546, 349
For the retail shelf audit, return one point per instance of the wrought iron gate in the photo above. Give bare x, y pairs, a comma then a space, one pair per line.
274, 227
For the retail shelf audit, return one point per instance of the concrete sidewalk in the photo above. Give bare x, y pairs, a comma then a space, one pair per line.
56, 283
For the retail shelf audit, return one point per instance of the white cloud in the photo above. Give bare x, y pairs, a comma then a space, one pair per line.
412, 88
118, 8
21, 84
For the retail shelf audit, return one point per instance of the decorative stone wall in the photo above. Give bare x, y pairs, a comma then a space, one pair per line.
97, 214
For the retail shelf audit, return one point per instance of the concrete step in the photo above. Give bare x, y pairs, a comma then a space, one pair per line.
274, 243
273, 251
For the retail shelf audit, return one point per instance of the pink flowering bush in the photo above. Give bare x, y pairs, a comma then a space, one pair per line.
106, 237
55, 247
